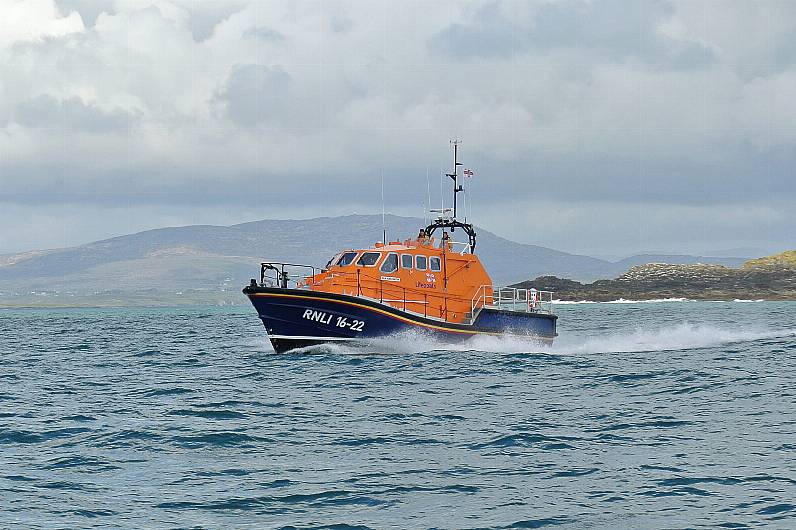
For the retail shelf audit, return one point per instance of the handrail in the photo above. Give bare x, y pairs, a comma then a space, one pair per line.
508, 298
282, 277
485, 296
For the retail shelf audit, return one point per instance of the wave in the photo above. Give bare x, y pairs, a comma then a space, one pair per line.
683, 336
652, 301
622, 301
742, 301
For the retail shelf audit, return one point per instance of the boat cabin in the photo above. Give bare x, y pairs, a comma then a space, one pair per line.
439, 279
418, 275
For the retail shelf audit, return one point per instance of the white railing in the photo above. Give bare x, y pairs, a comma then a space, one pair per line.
512, 299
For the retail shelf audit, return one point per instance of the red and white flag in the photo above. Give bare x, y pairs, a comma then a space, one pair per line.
468, 172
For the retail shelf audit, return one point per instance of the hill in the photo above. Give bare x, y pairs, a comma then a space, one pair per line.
784, 260
220, 259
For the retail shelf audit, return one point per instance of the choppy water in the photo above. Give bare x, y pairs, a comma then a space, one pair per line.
668, 415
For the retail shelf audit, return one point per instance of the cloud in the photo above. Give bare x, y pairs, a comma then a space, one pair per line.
614, 30
35, 20
72, 114
264, 33
163, 103
256, 94
88, 10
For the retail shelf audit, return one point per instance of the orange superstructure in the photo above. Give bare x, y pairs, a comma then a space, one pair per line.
420, 275
430, 285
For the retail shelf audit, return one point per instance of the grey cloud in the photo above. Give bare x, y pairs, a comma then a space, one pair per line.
259, 95
264, 33
89, 10
608, 103
205, 16
45, 111
612, 29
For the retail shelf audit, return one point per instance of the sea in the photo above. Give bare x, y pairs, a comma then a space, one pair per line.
658, 414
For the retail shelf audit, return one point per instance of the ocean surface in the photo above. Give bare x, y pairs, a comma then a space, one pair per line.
642, 415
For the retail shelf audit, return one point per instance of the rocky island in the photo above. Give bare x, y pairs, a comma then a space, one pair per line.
769, 278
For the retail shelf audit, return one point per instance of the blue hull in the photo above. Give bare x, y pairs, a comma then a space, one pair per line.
295, 318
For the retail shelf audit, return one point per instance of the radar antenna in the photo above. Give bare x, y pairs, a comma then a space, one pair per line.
443, 221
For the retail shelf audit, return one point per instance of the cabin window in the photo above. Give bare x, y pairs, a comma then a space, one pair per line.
406, 261
390, 263
346, 259
369, 259
434, 264
333, 260
420, 262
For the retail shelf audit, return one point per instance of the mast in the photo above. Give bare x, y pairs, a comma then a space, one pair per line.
451, 222
455, 175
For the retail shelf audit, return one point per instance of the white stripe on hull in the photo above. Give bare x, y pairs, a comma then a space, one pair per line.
310, 337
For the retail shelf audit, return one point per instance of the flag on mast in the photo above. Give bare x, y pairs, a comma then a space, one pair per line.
468, 173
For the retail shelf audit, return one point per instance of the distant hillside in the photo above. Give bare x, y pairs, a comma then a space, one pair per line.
783, 260
208, 255
225, 257
672, 259
769, 278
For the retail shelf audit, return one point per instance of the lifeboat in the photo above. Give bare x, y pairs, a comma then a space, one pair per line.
426, 284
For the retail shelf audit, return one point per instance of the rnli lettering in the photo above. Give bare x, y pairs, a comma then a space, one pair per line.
340, 322
424, 285
317, 316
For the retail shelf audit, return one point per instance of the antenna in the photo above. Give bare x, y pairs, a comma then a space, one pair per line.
428, 202
383, 222
441, 196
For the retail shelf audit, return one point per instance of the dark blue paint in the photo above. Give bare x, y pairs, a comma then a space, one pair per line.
286, 316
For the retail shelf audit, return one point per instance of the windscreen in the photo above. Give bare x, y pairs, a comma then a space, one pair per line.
346, 259
369, 259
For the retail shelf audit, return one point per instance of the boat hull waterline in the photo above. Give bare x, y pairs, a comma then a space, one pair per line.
297, 318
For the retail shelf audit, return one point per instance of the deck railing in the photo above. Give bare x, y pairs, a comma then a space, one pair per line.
428, 304
278, 274
513, 299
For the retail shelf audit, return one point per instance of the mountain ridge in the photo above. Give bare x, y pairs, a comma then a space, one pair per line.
210, 256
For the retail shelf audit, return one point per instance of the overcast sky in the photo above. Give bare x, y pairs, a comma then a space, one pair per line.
604, 127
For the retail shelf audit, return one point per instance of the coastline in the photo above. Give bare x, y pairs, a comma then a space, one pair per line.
135, 300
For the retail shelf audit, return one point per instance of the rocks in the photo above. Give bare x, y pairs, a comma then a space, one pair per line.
771, 278
783, 261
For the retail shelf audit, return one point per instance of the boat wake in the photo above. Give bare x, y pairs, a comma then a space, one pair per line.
684, 336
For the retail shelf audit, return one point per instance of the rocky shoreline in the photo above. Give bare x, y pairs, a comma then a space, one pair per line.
772, 278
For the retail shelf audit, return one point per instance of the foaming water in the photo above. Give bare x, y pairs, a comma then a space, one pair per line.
623, 301
683, 336
639, 415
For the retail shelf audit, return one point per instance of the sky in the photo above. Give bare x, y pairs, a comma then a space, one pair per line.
603, 127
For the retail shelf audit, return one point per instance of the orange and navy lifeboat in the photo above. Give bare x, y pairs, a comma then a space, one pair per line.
435, 287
